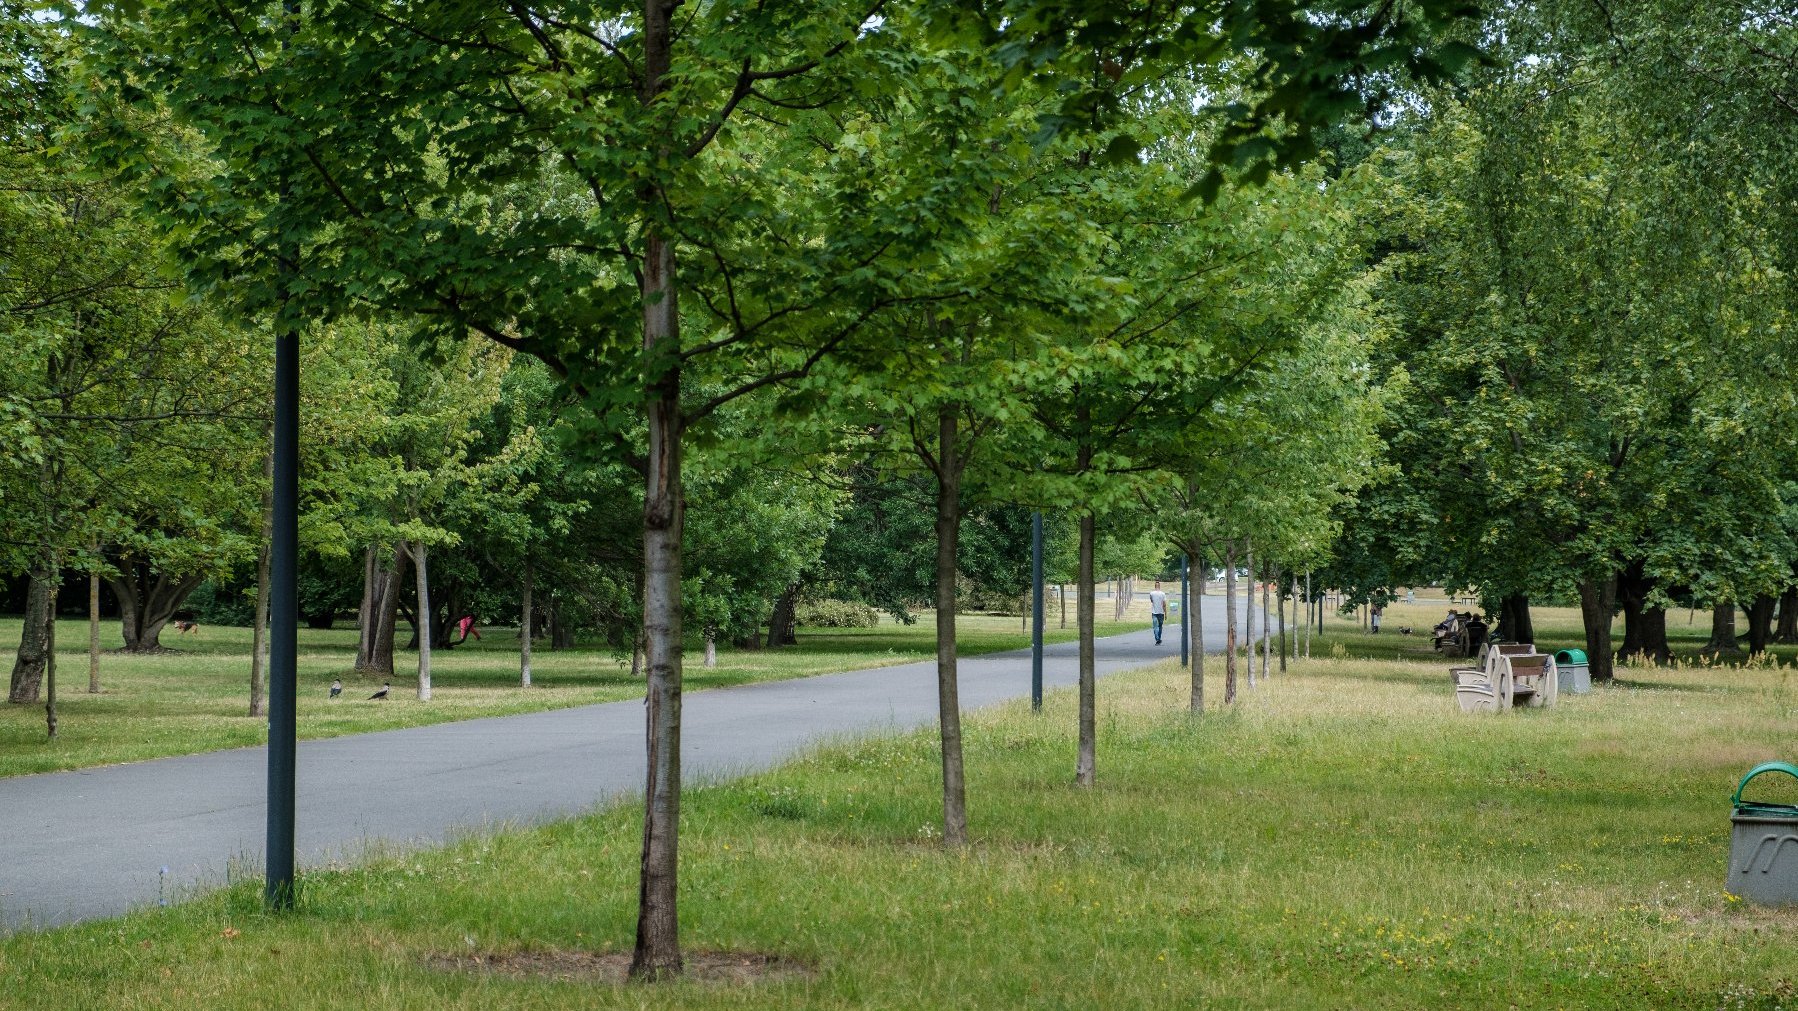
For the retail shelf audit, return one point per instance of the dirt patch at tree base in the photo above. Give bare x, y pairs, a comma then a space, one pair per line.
731, 968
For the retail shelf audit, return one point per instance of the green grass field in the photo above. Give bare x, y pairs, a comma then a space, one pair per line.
1342, 838
196, 698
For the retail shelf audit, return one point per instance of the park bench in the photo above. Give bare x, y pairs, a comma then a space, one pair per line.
1513, 674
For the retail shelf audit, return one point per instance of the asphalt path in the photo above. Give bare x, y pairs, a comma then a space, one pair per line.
98, 842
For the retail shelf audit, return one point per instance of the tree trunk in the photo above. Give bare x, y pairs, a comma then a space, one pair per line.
524, 630
1084, 767
785, 616
1248, 611
1514, 618
387, 616
1267, 639
147, 602
657, 951
1723, 632
1061, 599
1597, 597
28, 666
1229, 622
1760, 622
711, 648
50, 671
366, 619
1197, 628
93, 633
1281, 601
948, 685
1788, 616
259, 622
1309, 606
1644, 628
421, 568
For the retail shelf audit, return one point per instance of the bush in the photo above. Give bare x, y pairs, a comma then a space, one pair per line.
835, 614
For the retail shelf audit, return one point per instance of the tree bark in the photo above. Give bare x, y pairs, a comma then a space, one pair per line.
1085, 766
93, 633
1788, 616
1644, 628
1760, 622
524, 630
147, 602
1267, 639
50, 672
1514, 617
1229, 622
948, 685
711, 648
1281, 600
1248, 611
1061, 600
1197, 627
259, 622
656, 954
421, 569
1723, 640
387, 616
366, 619
1597, 598
782, 620
28, 665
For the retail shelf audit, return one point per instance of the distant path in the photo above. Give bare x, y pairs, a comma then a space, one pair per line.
88, 844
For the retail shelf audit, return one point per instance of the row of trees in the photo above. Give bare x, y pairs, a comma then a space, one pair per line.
1585, 254
780, 265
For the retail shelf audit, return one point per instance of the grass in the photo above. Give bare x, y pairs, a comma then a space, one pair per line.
1341, 838
196, 698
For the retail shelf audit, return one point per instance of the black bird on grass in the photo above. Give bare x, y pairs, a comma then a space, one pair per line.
336, 687
383, 692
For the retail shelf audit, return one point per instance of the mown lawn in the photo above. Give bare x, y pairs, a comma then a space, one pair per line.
1342, 838
196, 697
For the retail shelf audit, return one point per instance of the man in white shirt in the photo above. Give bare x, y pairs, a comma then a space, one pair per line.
1157, 610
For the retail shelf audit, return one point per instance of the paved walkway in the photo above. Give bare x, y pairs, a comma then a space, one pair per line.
93, 843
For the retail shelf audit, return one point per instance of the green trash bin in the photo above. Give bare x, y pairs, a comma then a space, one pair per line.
1573, 672
1763, 845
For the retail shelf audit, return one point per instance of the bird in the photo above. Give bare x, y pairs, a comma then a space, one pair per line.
383, 692
336, 687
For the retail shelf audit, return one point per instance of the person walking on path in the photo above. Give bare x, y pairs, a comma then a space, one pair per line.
1157, 610
1378, 610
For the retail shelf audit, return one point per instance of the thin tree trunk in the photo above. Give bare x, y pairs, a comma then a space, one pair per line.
421, 569
259, 623
1229, 622
1267, 638
711, 648
657, 951
1596, 599
1061, 598
93, 632
50, 673
28, 665
1310, 605
1248, 611
1197, 628
1281, 600
948, 691
1084, 768
524, 630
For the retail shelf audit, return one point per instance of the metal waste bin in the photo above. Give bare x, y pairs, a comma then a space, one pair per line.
1573, 671
1763, 845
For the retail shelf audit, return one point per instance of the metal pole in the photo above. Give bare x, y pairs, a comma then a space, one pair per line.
283, 619
1036, 611
1185, 611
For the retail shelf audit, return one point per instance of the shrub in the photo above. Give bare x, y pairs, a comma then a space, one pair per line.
836, 614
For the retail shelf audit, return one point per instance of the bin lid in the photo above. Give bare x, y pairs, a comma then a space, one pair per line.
1571, 656
1750, 807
